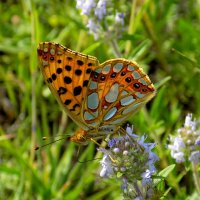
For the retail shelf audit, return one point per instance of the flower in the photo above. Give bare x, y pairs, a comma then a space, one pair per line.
100, 10
107, 169
194, 157
189, 123
119, 18
94, 28
86, 6
103, 19
185, 145
197, 142
132, 161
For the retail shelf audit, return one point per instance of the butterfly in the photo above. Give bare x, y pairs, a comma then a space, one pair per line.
97, 97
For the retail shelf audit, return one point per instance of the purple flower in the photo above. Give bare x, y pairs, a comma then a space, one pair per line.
86, 6
197, 142
100, 10
195, 157
107, 169
185, 145
101, 23
131, 160
94, 28
119, 18
189, 122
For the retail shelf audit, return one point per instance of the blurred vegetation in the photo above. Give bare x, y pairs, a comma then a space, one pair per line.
163, 38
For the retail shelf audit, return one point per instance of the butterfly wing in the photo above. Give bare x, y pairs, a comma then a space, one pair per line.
67, 74
117, 89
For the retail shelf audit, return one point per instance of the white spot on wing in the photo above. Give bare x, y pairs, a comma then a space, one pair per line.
110, 113
106, 69
118, 121
131, 108
52, 51
45, 50
143, 81
93, 85
113, 93
124, 92
93, 101
45, 63
98, 70
139, 95
117, 67
131, 68
94, 124
88, 116
136, 75
127, 100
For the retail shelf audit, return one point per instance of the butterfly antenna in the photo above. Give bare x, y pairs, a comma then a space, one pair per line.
52, 137
40, 147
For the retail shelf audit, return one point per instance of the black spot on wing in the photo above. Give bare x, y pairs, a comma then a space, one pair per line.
61, 90
74, 107
77, 90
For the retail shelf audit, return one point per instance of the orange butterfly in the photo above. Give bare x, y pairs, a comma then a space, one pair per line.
98, 97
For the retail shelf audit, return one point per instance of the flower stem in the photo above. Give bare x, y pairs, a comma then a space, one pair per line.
131, 28
137, 189
115, 48
196, 176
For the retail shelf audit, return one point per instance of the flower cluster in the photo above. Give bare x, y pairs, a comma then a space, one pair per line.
186, 145
130, 159
103, 19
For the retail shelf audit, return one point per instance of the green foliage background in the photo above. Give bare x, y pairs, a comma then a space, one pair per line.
163, 37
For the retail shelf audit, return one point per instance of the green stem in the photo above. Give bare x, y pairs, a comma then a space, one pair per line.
137, 189
131, 28
115, 48
33, 78
154, 37
196, 176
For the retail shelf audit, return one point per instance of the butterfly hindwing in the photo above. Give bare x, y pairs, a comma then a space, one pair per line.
118, 88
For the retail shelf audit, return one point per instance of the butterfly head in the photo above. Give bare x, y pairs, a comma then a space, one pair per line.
80, 137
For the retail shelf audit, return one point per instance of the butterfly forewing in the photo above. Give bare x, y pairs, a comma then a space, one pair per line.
67, 74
